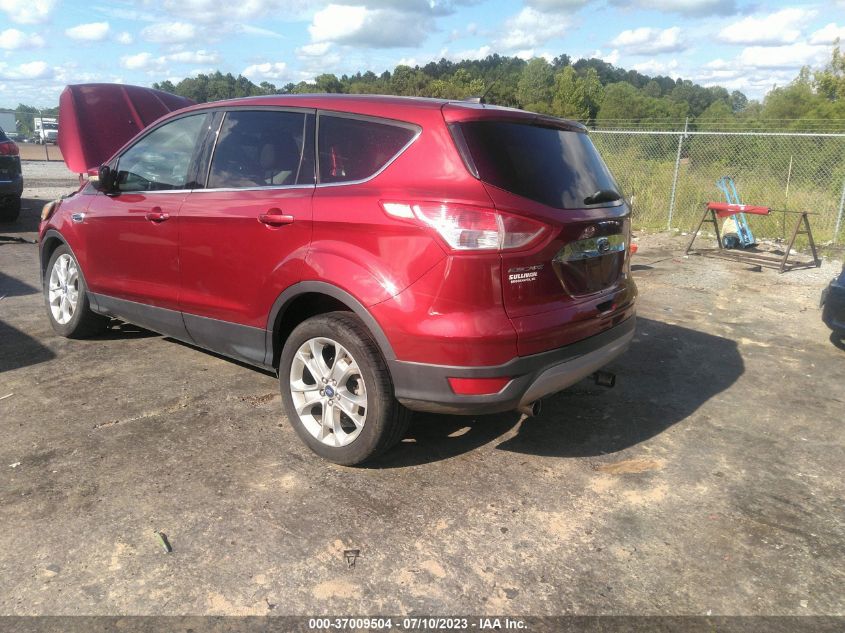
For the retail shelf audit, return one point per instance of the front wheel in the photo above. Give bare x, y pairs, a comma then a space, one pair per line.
337, 391
66, 296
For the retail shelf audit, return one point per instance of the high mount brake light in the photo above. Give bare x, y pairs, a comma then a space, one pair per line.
469, 228
8, 148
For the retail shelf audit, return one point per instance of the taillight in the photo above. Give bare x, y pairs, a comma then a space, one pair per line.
469, 228
8, 148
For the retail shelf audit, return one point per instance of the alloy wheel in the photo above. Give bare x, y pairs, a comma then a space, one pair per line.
63, 289
328, 391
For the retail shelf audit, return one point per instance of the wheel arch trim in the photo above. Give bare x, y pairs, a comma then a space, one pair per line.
321, 287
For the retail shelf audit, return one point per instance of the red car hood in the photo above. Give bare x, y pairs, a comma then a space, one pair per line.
97, 119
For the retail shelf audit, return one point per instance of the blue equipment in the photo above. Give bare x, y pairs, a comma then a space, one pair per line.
744, 238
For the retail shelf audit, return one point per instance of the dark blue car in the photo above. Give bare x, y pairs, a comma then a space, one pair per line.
833, 305
11, 180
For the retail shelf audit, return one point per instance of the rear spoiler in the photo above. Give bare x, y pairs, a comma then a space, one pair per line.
98, 119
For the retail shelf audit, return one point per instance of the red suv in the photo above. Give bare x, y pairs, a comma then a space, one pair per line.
381, 254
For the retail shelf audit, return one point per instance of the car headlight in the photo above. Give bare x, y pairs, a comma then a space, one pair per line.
48, 209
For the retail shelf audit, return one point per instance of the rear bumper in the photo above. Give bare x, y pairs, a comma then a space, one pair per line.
11, 187
424, 387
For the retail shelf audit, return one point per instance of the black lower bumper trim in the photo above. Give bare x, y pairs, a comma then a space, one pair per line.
424, 387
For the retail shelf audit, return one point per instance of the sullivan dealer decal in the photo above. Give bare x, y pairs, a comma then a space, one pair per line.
521, 275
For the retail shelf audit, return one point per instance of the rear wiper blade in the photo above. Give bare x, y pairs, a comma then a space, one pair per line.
603, 195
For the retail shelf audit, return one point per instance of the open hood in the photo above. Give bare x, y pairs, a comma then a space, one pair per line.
97, 119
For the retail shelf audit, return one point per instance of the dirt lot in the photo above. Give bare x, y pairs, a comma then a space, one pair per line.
709, 481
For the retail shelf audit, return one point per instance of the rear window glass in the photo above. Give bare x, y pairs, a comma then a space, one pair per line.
555, 167
3, 136
355, 149
261, 148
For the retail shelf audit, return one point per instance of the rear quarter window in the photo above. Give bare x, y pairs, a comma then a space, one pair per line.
554, 167
353, 149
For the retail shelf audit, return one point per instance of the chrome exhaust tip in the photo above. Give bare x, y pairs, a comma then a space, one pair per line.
531, 409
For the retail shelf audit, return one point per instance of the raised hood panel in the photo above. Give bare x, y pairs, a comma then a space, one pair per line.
97, 119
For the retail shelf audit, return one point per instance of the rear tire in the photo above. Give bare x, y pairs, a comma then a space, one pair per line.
66, 297
337, 391
11, 210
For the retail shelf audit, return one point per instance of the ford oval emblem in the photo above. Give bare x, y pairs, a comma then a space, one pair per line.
603, 245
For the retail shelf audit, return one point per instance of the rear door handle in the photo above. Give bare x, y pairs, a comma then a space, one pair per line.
274, 217
77, 217
157, 215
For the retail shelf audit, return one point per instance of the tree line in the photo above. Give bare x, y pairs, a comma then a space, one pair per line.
588, 90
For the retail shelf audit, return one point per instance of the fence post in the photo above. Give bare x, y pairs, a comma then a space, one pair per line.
839, 215
675, 177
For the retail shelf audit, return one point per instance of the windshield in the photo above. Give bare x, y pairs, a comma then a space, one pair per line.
561, 169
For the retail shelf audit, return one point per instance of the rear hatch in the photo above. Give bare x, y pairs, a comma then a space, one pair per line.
549, 170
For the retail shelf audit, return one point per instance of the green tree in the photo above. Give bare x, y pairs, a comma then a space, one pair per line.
624, 102
830, 81
534, 89
569, 99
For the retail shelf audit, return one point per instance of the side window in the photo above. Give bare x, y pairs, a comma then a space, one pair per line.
161, 159
262, 148
355, 149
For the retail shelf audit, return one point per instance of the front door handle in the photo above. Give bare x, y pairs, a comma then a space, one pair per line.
274, 217
157, 215
77, 217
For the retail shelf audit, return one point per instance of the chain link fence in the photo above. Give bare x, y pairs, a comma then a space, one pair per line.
34, 132
670, 176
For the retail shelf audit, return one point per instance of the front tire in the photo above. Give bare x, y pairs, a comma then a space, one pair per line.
337, 391
66, 296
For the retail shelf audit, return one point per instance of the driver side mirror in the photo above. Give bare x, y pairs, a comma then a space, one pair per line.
106, 179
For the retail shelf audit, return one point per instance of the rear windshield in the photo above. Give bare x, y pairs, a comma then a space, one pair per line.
3, 136
558, 168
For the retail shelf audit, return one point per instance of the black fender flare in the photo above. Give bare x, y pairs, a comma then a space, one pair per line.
304, 287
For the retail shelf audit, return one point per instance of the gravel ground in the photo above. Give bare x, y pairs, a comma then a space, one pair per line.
709, 481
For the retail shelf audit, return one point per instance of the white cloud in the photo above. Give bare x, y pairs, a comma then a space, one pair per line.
475, 53
758, 68
192, 57
27, 11
146, 61
169, 32
13, 39
654, 67
91, 32
531, 28
314, 50
828, 34
685, 7
125, 38
29, 70
371, 28
556, 5
650, 41
276, 71
136, 62
792, 56
257, 30
611, 58
781, 27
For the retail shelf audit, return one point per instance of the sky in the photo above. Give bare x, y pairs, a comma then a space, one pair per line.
747, 46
